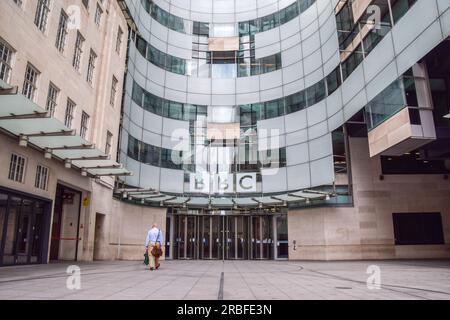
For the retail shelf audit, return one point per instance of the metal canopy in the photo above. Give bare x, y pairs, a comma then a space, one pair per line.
23, 118
155, 198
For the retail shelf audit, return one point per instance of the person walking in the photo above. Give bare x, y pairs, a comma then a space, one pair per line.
153, 244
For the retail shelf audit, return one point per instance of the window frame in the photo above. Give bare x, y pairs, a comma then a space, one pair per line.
6, 60
52, 99
30, 86
68, 116
84, 126
61, 34
14, 166
42, 172
42, 14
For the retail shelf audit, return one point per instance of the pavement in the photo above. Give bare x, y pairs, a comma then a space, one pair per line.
229, 280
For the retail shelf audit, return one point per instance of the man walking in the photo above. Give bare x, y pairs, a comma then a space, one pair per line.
153, 246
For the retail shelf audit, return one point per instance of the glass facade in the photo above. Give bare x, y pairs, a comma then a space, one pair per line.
243, 157
274, 20
306, 153
397, 96
358, 38
248, 27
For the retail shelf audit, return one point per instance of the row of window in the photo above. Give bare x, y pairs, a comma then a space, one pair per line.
155, 156
246, 157
43, 11
218, 64
41, 21
30, 84
159, 58
321, 89
30, 88
349, 29
275, 19
165, 18
166, 108
17, 170
248, 27
249, 114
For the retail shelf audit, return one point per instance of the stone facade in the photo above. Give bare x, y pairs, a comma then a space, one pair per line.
365, 231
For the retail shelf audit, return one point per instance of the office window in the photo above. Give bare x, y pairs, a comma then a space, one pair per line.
119, 40
17, 168
113, 91
91, 66
62, 32
78, 51
6, 53
42, 10
418, 228
41, 181
30, 82
98, 15
315, 93
52, 99
84, 124
69, 113
108, 144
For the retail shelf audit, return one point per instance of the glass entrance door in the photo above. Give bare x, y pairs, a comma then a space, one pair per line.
261, 237
223, 237
23, 229
23, 232
237, 244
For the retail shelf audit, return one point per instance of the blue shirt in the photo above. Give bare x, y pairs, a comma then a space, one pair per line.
155, 235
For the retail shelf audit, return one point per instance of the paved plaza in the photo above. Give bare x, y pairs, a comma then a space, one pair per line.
212, 280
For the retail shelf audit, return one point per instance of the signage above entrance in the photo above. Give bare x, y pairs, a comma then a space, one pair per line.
222, 183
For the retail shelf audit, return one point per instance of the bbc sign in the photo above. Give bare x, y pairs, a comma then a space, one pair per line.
222, 183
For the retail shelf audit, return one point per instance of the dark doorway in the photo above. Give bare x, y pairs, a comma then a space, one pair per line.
24, 228
65, 225
99, 236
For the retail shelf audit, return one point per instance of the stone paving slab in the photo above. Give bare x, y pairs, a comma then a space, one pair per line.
249, 280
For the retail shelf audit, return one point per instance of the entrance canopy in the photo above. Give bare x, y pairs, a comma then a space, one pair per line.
154, 198
33, 125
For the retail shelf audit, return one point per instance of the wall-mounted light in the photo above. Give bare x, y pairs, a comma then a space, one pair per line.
308, 201
84, 172
260, 205
327, 197
142, 201
68, 163
48, 153
285, 204
161, 204
447, 116
23, 141
125, 195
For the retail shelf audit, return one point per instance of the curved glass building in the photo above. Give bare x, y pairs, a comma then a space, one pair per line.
245, 110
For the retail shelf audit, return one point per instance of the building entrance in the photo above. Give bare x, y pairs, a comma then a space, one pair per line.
24, 221
225, 236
